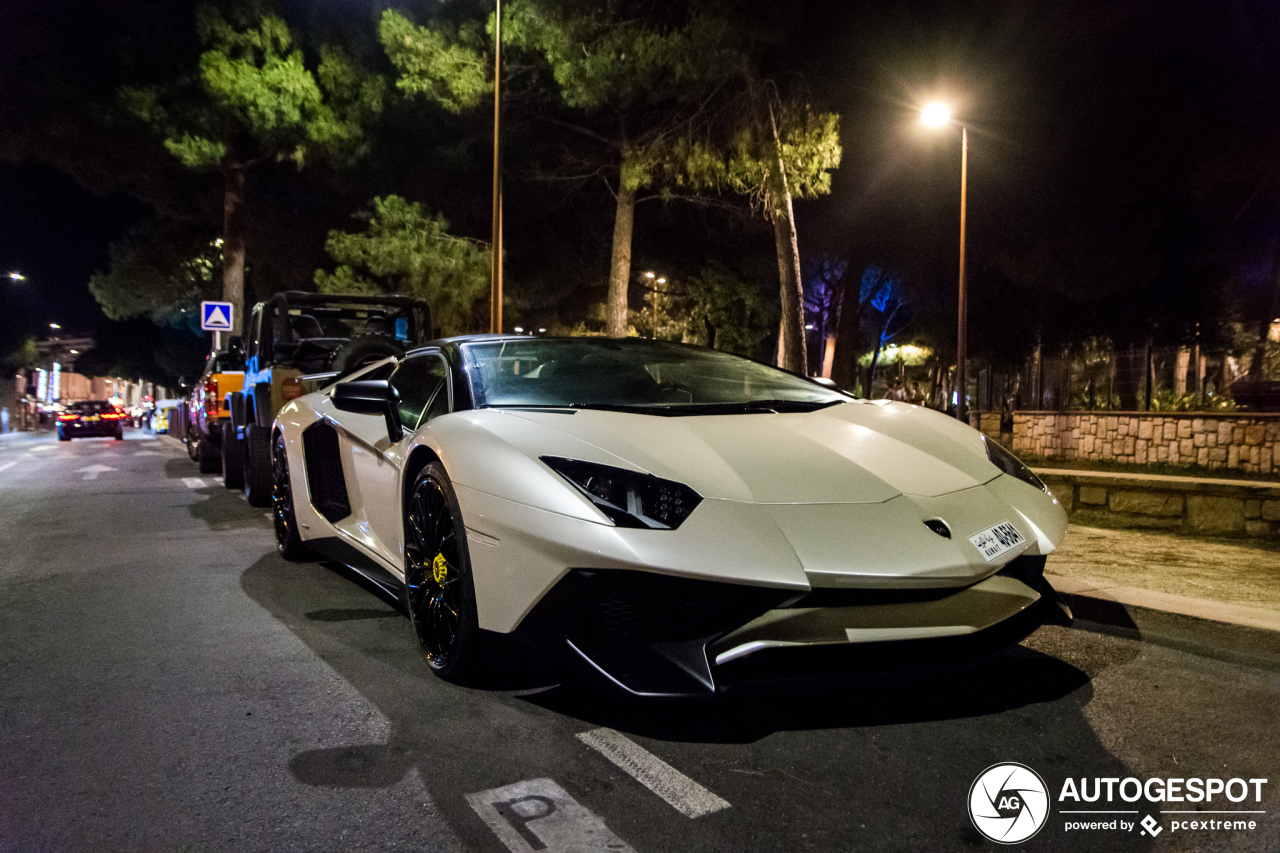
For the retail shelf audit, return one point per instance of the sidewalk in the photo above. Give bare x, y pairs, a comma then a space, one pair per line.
1234, 581
1169, 588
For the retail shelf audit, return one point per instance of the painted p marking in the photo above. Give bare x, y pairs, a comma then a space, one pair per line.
518, 817
539, 815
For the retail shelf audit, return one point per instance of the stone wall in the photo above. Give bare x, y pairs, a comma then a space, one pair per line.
1183, 504
1234, 441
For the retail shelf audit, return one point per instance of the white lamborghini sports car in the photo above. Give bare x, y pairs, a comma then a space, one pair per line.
670, 516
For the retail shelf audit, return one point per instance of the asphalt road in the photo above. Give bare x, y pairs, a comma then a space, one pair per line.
167, 682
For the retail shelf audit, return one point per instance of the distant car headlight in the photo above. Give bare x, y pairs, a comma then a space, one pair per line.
1012, 465
629, 498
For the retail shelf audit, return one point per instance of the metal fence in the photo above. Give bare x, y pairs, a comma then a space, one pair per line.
1139, 379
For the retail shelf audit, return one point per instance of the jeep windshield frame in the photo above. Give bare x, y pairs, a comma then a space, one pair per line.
293, 318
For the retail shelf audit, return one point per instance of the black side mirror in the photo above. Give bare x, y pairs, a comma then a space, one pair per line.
371, 397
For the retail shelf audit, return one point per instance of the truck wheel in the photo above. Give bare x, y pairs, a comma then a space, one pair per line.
257, 465
192, 440
208, 455
232, 458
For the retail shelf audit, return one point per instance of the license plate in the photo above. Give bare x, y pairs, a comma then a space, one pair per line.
994, 541
91, 418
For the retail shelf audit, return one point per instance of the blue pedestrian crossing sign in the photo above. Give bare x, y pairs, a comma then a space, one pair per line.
215, 316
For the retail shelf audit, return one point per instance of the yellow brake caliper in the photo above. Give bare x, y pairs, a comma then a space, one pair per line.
439, 569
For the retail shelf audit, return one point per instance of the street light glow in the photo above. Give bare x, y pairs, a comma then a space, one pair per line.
519, 330
54, 326
17, 276
648, 275
936, 115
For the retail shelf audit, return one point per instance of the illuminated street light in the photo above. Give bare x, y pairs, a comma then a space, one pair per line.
17, 276
939, 115
54, 326
519, 330
936, 115
648, 275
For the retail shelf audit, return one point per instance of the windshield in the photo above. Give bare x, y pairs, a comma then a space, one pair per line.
657, 377
321, 322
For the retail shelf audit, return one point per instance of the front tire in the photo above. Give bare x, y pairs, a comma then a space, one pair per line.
288, 539
232, 458
439, 592
257, 465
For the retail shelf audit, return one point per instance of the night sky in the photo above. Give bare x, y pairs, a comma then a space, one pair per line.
1105, 136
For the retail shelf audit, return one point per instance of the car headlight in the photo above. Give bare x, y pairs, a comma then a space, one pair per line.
628, 498
1012, 465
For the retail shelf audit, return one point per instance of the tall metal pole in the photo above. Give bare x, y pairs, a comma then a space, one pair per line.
962, 342
495, 264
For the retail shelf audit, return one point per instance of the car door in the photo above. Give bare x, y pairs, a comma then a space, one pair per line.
374, 462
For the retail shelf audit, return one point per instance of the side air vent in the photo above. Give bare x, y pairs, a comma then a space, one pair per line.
939, 527
325, 484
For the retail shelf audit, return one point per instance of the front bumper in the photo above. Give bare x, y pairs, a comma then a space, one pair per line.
657, 635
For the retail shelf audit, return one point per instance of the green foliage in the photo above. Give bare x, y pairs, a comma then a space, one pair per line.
733, 307
405, 250
443, 66
717, 307
1167, 400
253, 99
605, 59
27, 354
810, 150
160, 272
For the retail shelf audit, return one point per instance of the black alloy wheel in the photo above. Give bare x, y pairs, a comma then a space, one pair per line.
440, 594
288, 540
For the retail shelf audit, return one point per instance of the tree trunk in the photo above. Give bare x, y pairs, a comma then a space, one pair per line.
791, 342
844, 364
233, 243
620, 266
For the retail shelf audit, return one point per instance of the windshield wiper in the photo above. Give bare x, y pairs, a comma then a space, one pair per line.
752, 407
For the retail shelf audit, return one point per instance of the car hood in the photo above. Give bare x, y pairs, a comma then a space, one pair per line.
855, 452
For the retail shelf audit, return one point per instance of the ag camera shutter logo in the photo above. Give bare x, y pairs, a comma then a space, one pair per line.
1008, 803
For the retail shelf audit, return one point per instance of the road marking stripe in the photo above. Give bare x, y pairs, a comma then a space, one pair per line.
194, 483
681, 792
540, 815
6, 466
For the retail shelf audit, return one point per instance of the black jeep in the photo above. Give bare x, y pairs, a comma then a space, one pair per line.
292, 343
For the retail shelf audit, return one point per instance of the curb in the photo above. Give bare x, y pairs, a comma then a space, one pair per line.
1225, 641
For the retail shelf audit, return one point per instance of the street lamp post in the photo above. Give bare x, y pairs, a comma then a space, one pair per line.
495, 269
938, 115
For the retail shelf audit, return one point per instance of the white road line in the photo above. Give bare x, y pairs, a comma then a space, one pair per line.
41, 447
194, 483
681, 792
91, 472
6, 466
540, 815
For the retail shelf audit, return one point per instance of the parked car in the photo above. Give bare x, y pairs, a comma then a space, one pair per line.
294, 336
206, 408
667, 516
91, 418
